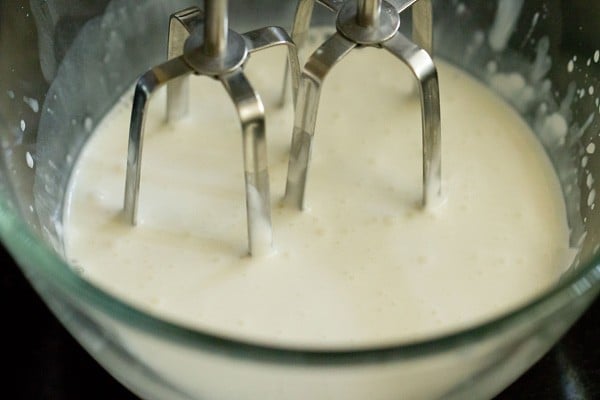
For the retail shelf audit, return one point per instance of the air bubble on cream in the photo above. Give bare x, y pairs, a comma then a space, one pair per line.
589, 181
597, 56
590, 148
570, 66
23, 125
591, 90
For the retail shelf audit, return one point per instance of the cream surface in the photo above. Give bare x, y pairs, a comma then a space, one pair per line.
364, 264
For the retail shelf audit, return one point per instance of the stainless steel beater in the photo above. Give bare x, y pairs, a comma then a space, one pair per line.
366, 23
201, 43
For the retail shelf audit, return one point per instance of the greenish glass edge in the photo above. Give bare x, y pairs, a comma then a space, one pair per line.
29, 252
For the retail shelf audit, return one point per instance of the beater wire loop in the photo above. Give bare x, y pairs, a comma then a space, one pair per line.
366, 23
201, 43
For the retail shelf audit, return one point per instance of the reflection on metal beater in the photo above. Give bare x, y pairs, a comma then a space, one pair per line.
366, 23
201, 43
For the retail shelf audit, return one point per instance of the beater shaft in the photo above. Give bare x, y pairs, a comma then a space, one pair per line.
368, 12
216, 27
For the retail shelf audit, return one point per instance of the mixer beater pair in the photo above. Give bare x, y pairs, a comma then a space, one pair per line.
201, 43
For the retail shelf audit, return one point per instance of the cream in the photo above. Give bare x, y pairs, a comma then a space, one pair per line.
364, 264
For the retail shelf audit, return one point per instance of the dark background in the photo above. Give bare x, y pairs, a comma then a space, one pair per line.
44, 362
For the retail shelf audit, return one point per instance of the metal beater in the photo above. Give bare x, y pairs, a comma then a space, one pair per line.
366, 23
201, 43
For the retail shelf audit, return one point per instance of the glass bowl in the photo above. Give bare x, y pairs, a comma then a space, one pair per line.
64, 63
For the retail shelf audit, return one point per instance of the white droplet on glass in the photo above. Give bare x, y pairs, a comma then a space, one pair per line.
29, 160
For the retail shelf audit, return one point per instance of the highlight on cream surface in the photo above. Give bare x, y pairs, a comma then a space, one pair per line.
364, 264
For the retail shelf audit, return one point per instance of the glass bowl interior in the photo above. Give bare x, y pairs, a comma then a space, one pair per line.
540, 55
